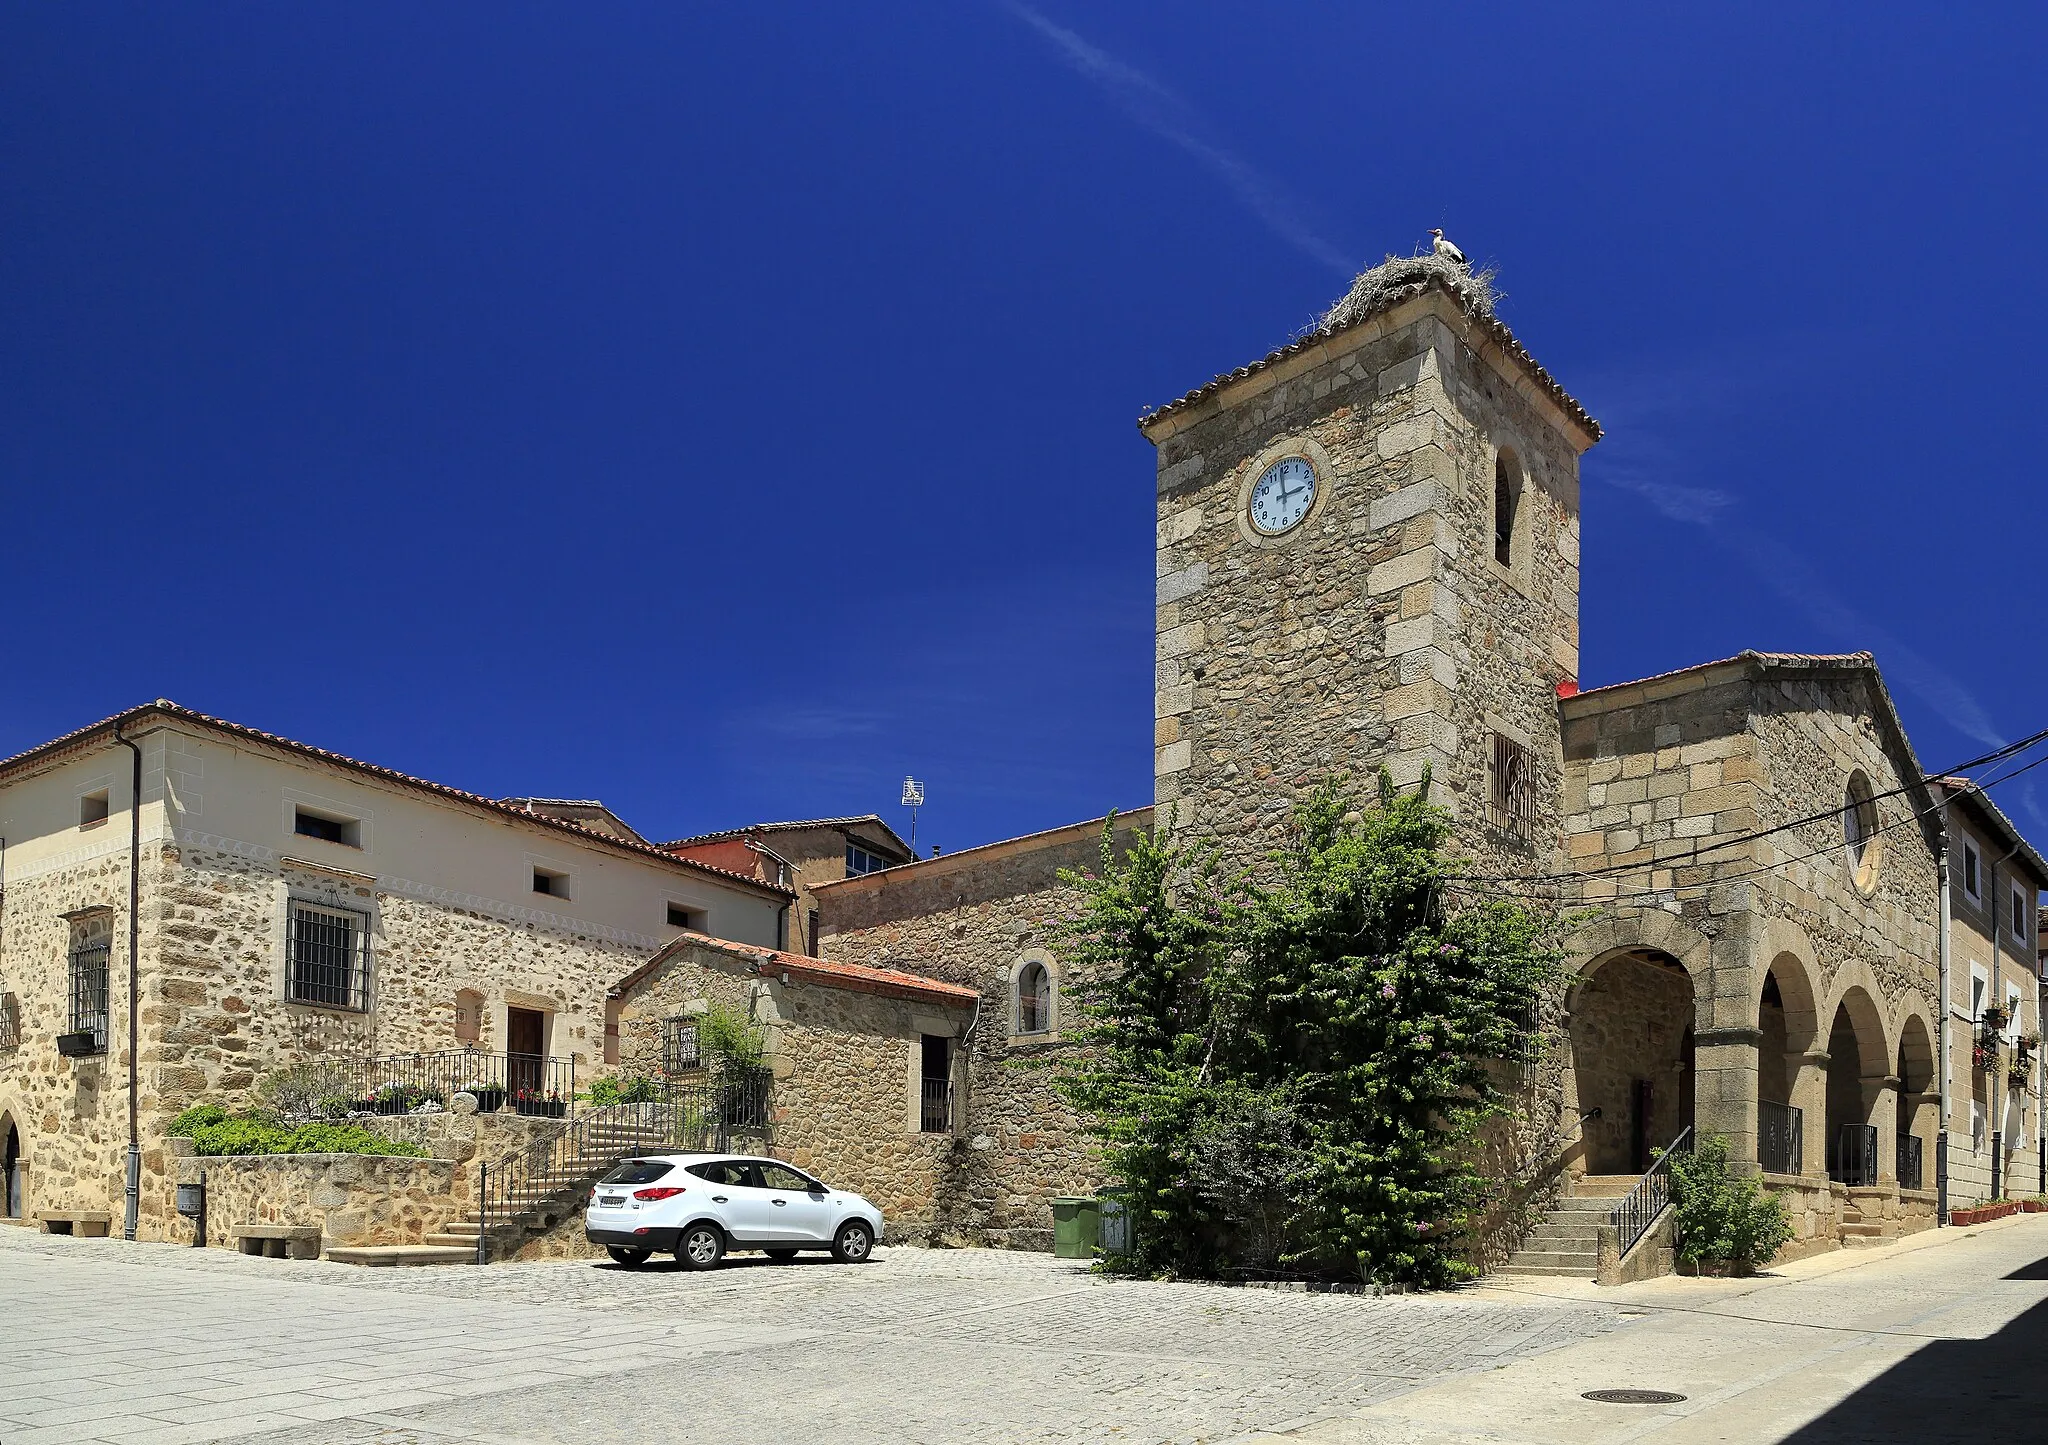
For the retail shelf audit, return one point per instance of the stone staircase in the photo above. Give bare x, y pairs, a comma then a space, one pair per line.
1861, 1232
1567, 1243
554, 1190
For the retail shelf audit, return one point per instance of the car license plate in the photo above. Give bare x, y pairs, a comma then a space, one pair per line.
610, 1201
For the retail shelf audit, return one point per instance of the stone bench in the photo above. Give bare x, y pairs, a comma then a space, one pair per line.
87, 1223
277, 1241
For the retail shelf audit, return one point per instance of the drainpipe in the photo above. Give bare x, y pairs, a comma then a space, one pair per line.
1997, 909
1944, 1011
132, 1206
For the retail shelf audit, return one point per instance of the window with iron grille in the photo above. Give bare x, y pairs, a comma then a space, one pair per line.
1510, 789
91, 940
10, 1024
328, 956
679, 1052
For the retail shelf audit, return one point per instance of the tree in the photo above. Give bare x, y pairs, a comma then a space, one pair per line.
1289, 1075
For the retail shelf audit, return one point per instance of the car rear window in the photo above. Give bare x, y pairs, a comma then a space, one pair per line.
637, 1171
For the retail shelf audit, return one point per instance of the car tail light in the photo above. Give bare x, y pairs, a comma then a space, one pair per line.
654, 1194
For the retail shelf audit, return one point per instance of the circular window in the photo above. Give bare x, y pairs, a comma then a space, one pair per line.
1859, 833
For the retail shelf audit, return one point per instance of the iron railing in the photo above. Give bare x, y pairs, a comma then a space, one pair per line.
532, 1084
89, 989
935, 1112
1854, 1157
1780, 1138
550, 1179
1635, 1214
1911, 1154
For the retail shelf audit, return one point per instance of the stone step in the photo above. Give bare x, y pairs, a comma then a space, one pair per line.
1577, 1241
1603, 1186
376, 1255
1549, 1271
1587, 1261
1587, 1214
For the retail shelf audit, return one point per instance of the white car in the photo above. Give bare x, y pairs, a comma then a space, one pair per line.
697, 1206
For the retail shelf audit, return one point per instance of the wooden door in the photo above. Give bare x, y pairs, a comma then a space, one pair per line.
525, 1029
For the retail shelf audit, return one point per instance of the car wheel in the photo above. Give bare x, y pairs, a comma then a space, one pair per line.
854, 1243
630, 1258
782, 1256
701, 1247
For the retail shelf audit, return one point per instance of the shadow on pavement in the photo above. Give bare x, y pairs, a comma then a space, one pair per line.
1951, 1390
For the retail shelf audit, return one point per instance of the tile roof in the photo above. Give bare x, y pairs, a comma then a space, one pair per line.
791, 827
1492, 326
167, 708
1136, 818
1839, 659
1972, 796
853, 977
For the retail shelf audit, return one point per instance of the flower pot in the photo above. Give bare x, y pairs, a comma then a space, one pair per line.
489, 1101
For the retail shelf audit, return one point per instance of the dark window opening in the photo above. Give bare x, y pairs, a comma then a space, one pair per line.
1507, 500
1511, 789
91, 941
935, 1095
328, 951
345, 831
679, 1048
555, 885
1034, 999
92, 809
859, 861
681, 917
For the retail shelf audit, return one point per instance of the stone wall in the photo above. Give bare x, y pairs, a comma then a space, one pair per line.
973, 918
1381, 631
845, 1065
354, 1199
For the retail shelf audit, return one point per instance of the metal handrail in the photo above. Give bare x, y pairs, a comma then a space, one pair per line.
537, 1084
535, 1177
1641, 1206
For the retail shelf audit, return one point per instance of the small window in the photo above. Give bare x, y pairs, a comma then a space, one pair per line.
92, 809
679, 1051
1978, 985
10, 1031
328, 952
92, 941
1971, 885
1859, 830
935, 1078
638, 1171
327, 828
1976, 1125
859, 861
681, 917
1034, 999
2019, 914
1510, 790
548, 881
1507, 503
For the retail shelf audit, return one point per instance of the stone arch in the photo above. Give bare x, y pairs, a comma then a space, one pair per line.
1034, 965
1790, 1082
1918, 1111
1861, 1088
1631, 1080
13, 1168
1641, 928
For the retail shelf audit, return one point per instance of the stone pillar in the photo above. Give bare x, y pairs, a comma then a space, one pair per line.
1724, 1090
1809, 1071
1881, 1107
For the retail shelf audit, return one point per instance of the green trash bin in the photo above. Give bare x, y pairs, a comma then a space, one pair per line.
1076, 1227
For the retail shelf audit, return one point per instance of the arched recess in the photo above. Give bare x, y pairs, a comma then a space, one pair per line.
1631, 1022
1919, 1104
1860, 1118
1034, 995
13, 1171
1788, 1075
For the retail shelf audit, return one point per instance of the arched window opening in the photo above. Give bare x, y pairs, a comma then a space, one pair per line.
1859, 829
1034, 999
1507, 501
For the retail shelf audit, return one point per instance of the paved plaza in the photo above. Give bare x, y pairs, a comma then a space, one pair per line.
106, 1341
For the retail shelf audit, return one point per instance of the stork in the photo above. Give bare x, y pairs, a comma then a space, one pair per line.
1445, 249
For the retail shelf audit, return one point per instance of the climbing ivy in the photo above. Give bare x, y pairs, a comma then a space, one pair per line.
1288, 1071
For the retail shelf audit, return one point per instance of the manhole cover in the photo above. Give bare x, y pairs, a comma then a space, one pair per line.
1632, 1397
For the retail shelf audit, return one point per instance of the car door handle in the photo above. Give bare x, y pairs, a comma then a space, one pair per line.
778, 1203
718, 1199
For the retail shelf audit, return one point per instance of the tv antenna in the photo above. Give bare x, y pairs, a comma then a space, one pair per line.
913, 799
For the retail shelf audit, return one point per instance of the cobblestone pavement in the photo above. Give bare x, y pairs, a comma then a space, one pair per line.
106, 1341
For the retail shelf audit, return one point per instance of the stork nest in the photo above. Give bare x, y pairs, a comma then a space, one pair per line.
1374, 285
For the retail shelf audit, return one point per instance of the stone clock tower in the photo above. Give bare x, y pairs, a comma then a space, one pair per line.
1368, 554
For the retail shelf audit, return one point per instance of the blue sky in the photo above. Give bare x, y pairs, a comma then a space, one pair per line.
725, 411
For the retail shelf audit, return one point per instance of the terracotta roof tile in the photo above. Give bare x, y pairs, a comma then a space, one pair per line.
854, 977
1496, 329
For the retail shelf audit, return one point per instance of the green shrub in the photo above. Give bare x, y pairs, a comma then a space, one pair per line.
214, 1131
1722, 1217
309, 1089
623, 1089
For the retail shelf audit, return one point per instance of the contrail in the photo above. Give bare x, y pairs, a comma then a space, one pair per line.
1170, 118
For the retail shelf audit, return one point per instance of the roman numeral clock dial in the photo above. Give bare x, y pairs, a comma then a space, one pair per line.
1281, 496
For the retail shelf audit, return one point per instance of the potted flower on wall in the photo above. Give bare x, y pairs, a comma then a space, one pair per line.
541, 1104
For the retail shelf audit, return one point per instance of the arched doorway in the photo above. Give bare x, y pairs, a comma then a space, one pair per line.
1632, 1044
13, 1175
1919, 1105
1785, 1029
1858, 1070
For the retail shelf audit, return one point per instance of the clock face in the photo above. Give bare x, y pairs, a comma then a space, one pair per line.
1281, 496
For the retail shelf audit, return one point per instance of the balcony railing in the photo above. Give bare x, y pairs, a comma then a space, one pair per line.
1780, 1138
1853, 1159
1911, 1155
400, 1083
